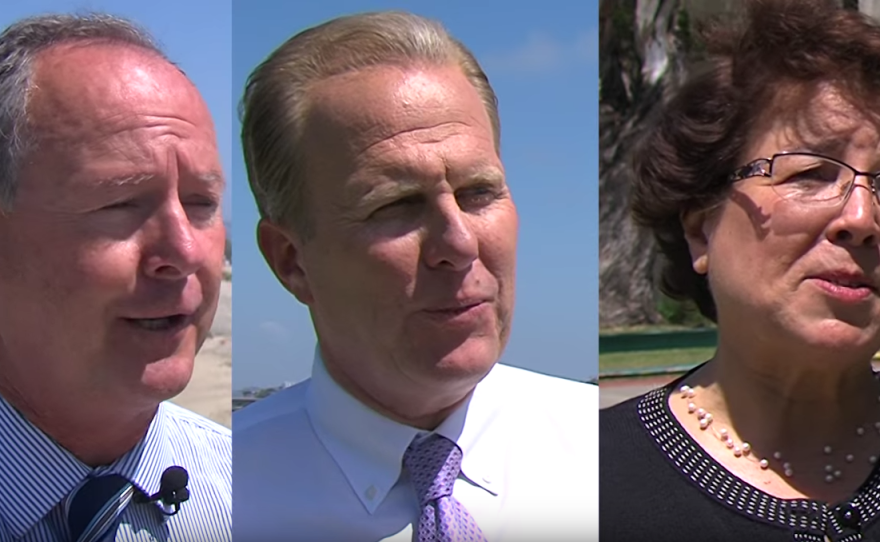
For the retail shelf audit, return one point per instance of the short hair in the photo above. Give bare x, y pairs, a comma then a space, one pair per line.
789, 48
20, 44
276, 98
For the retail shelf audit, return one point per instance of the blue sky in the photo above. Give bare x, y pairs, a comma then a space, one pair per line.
542, 60
196, 34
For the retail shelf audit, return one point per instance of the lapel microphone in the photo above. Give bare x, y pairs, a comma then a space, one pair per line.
172, 490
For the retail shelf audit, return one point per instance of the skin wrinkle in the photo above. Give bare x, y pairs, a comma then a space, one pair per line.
372, 160
401, 127
792, 361
391, 186
158, 255
414, 132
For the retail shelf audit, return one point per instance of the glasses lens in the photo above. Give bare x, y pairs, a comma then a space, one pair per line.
810, 179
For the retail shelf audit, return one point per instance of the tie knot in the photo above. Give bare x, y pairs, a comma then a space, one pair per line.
433, 465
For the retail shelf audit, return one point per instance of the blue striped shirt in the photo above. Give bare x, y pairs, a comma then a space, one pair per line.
36, 474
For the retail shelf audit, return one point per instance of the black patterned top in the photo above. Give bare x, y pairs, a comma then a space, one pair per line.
658, 484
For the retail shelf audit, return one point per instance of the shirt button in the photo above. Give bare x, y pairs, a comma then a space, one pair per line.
848, 515
370, 493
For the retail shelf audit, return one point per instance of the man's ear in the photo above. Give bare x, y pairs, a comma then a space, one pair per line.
696, 233
282, 250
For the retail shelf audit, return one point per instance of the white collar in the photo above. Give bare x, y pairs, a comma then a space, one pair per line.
369, 447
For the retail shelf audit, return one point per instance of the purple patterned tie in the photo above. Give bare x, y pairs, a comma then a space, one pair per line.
433, 465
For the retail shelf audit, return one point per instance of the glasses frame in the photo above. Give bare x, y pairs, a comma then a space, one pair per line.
763, 167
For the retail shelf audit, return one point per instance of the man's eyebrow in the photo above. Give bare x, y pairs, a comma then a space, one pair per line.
484, 173
133, 179
212, 177
397, 183
387, 190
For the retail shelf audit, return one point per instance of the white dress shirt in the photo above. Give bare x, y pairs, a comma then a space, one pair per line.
312, 463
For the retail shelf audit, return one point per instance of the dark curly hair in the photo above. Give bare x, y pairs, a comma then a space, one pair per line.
789, 48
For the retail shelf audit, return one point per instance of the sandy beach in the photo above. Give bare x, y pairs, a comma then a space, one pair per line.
210, 391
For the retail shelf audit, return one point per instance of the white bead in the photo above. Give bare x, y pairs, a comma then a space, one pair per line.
829, 468
837, 474
849, 458
764, 463
777, 455
690, 393
860, 431
789, 473
684, 391
827, 450
692, 408
708, 417
704, 423
872, 459
747, 448
737, 452
729, 444
877, 425
829, 479
701, 412
723, 433
786, 466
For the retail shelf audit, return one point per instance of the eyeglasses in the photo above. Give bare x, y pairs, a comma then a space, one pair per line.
810, 179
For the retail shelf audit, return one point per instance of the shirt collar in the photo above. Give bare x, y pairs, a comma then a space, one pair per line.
369, 447
42, 472
146, 462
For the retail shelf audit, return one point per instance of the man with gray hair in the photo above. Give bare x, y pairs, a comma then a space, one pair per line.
111, 243
372, 148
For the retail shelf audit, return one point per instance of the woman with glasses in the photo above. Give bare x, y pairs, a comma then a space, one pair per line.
759, 184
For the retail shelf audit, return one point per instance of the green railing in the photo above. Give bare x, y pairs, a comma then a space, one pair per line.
658, 340
643, 341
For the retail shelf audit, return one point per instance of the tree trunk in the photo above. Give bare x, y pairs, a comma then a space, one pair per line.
640, 58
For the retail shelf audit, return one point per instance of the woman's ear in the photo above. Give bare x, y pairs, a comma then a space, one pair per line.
695, 225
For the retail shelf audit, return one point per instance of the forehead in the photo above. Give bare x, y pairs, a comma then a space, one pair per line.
378, 105
381, 128
81, 88
100, 114
824, 120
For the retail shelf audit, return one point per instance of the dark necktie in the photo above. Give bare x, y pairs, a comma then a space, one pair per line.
433, 465
93, 507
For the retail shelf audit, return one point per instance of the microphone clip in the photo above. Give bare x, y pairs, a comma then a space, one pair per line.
172, 490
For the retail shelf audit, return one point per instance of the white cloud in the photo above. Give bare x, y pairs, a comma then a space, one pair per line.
543, 53
274, 331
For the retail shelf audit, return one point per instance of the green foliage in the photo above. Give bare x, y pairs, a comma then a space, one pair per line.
687, 34
680, 313
683, 30
623, 23
264, 392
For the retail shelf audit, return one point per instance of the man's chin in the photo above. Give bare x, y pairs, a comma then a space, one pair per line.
471, 360
166, 378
